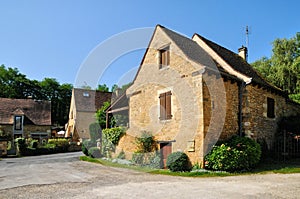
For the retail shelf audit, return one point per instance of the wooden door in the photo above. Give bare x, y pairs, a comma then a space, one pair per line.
165, 149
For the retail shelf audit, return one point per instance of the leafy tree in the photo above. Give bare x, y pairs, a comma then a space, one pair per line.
13, 84
103, 88
101, 115
283, 68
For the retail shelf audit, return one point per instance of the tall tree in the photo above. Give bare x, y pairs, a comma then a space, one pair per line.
283, 68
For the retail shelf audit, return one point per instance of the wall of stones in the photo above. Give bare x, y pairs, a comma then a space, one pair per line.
227, 105
256, 124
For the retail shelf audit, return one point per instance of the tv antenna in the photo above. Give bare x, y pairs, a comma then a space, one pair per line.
248, 31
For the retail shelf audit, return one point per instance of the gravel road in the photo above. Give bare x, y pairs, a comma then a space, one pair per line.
76, 179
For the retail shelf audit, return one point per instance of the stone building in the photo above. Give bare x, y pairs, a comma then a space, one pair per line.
189, 93
83, 107
25, 117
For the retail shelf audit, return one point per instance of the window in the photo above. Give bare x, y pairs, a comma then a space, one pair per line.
165, 106
86, 94
164, 55
270, 107
18, 123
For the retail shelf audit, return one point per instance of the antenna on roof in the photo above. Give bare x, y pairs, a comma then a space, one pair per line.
248, 31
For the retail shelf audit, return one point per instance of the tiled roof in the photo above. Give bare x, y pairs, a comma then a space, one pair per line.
190, 48
238, 63
35, 112
90, 100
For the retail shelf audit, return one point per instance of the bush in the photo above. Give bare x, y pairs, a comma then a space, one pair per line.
86, 145
151, 160
61, 144
34, 144
178, 161
94, 152
94, 131
234, 154
110, 139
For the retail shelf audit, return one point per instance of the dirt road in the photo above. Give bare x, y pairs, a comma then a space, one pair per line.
88, 180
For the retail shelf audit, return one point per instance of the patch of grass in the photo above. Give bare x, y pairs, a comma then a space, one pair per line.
269, 166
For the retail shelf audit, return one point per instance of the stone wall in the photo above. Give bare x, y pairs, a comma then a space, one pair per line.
185, 129
217, 127
256, 124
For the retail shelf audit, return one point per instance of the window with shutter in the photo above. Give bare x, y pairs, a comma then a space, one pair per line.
270, 107
165, 106
164, 55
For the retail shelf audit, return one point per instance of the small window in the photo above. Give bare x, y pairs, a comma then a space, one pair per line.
270, 107
164, 56
86, 94
18, 123
165, 106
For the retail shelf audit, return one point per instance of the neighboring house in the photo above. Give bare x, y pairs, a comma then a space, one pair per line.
84, 105
189, 93
25, 117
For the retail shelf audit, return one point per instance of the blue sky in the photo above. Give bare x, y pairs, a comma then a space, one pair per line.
52, 38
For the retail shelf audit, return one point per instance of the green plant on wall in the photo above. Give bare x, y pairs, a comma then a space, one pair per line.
146, 154
110, 139
145, 143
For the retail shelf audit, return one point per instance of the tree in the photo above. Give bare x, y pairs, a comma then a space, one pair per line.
103, 88
13, 84
101, 115
283, 68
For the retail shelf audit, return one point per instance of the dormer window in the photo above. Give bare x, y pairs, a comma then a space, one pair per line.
86, 94
164, 57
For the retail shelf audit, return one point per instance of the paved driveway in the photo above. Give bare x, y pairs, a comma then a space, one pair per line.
63, 176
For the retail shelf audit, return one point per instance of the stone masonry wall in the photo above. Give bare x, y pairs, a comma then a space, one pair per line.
256, 124
185, 129
230, 104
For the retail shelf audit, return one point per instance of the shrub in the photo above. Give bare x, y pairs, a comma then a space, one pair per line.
34, 144
152, 160
21, 145
145, 143
110, 139
94, 152
61, 144
121, 155
94, 131
114, 134
234, 154
86, 145
178, 161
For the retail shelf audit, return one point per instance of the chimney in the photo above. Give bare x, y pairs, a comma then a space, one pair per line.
243, 52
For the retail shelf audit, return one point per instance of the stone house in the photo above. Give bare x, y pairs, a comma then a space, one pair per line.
83, 107
189, 93
25, 117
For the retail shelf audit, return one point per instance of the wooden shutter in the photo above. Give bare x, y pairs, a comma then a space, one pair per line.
168, 105
164, 57
162, 100
270, 107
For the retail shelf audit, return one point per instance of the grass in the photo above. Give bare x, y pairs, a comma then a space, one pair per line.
268, 166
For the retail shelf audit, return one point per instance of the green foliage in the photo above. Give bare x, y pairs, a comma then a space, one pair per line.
121, 155
283, 68
234, 154
94, 152
145, 143
13, 84
113, 134
103, 88
151, 160
86, 145
178, 161
101, 115
34, 144
110, 139
94, 131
